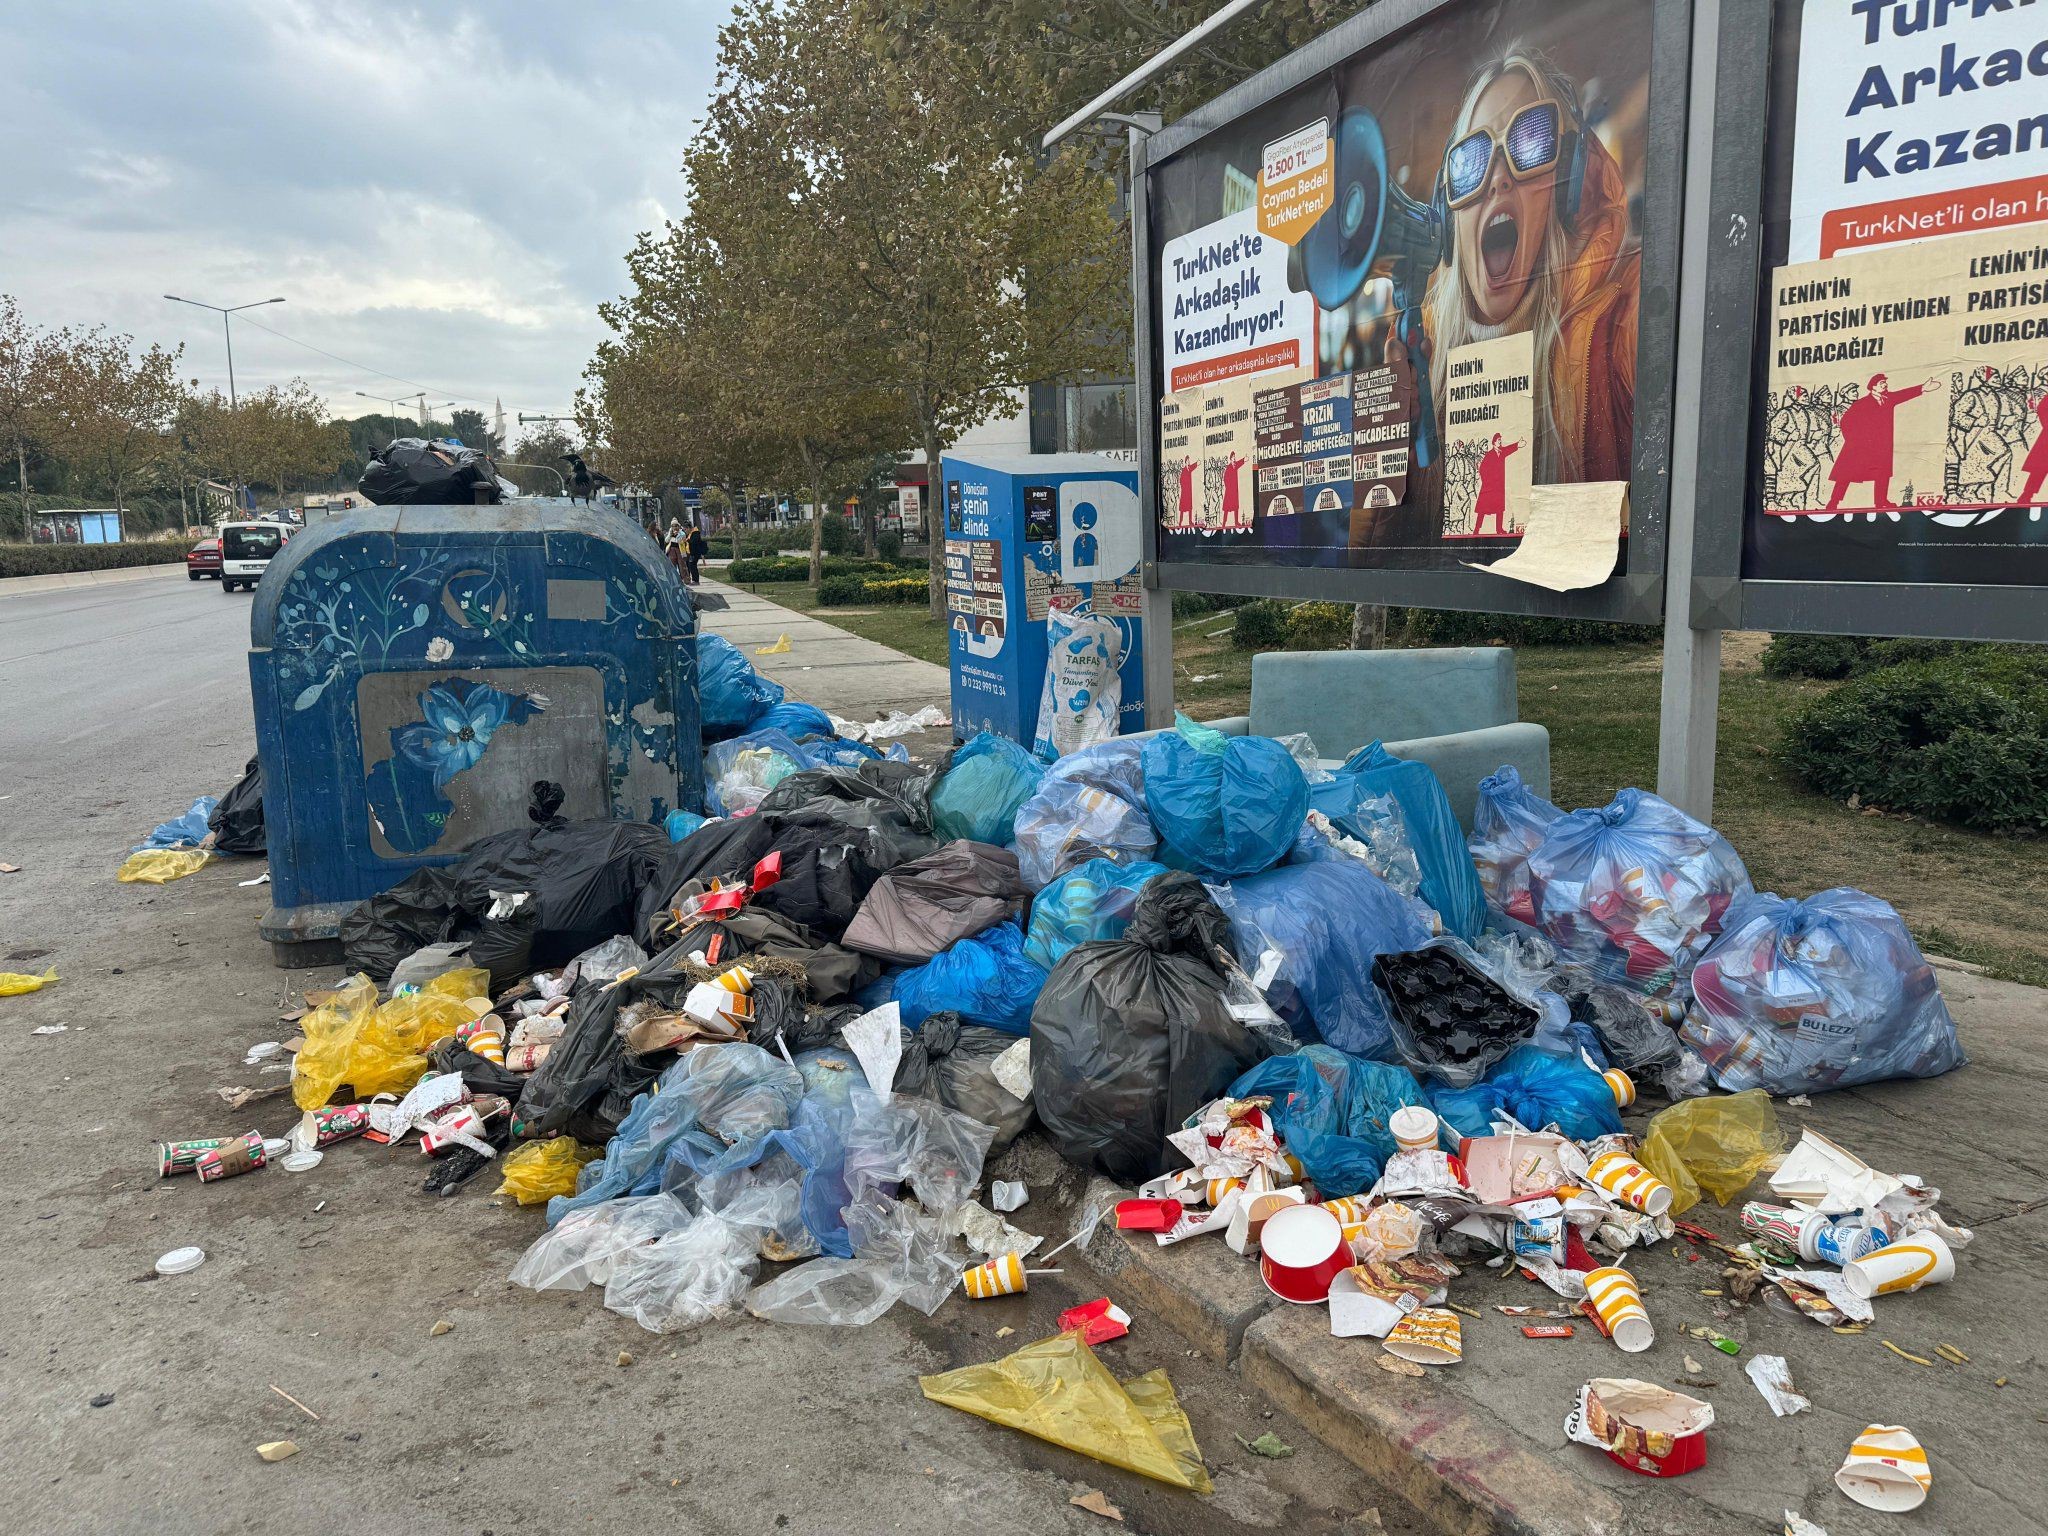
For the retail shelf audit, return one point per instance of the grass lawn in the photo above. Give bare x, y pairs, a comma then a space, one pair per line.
1964, 894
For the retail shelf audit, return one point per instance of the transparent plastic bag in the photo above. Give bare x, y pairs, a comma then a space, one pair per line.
1083, 689
352, 1040
1508, 825
739, 772
1715, 1144
1634, 891
580, 1249
898, 1140
1804, 996
737, 1092
1449, 882
1093, 901
828, 1292
1375, 833
540, 1170
688, 1276
1066, 823
603, 962
978, 796
634, 1155
912, 1250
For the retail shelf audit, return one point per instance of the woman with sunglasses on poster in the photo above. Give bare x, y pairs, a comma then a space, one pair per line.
1539, 241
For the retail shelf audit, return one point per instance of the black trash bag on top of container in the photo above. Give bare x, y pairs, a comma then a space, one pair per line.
1131, 1036
237, 821
902, 788
412, 472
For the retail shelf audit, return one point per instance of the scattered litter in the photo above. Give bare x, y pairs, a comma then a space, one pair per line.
309, 1413
181, 1261
625, 1358
10, 869
1904, 1355
439, 1328
304, 1160
1004, 1332
262, 879
1008, 1195
49, 1029
1098, 1321
15, 983
1773, 1378
1799, 1525
781, 647
1394, 1365
1096, 1502
1886, 1469
1268, 1445
100, 1400
277, 1450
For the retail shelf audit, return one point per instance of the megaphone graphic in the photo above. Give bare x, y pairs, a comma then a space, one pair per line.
1371, 220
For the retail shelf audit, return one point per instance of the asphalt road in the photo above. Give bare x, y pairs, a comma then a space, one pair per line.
120, 704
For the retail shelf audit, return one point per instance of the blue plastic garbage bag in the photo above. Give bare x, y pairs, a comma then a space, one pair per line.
797, 718
656, 1119
1508, 825
187, 831
1634, 891
985, 979
1331, 1112
731, 695
681, 824
1225, 810
1802, 996
1449, 882
1328, 919
1367, 827
1539, 1090
1091, 902
978, 797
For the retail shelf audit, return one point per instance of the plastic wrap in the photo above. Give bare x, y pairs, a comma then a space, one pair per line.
1327, 920
1508, 824
540, 1170
1067, 823
978, 796
1331, 1110
1717, 1144
375, 1049
580, 1249
1830, 992
1090, 902
687, 1276
1633, 892
1226, 810
739, 771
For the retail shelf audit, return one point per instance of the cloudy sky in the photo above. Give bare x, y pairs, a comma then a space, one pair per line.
442, 193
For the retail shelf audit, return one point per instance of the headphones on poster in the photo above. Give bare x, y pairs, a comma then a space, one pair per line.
1570, 163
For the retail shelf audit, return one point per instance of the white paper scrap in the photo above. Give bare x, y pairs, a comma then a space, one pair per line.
1773, 1378
1013, 1070
1572, 538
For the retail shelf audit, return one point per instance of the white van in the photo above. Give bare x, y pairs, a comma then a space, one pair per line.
245, 549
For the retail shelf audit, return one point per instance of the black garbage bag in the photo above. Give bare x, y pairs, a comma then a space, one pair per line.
586, 879
830, 973
379, 932
237, 821
725, 849
904, 789
1131, 1036
504, 936
589, 1080
929, 904
953, 1063
479, 1073
412, 472
833, 851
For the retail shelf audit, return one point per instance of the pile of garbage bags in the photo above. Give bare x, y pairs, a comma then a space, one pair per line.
413, 472
790, 1032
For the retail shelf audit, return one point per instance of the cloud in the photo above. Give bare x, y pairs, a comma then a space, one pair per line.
443, 193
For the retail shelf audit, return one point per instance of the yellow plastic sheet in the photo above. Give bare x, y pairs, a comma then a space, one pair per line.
540, 1170
14, 983
160, 866
379, 1049
1718, 1144
1057, 1390
781, 647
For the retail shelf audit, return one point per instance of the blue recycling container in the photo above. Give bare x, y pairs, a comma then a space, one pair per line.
1026, 534
416, 670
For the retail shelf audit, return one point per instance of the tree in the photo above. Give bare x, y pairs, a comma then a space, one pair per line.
535, 464
29, 361
114, 409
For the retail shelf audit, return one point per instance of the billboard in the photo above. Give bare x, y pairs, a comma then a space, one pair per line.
1899, 425
1397, 290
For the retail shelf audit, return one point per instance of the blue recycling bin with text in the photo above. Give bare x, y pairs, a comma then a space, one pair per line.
1027, 534
416, 670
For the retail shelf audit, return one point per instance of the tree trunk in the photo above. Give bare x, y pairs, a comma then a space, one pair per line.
812, 467
867, 527
1368, 627
21, 480
934, 515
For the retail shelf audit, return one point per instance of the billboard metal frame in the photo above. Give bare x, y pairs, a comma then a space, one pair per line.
1635, 594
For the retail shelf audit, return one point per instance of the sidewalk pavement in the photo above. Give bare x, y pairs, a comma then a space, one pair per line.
17, 586
1480, 1447
854, 678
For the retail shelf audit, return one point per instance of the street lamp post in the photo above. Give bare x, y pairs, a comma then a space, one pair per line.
390, 400
226, 330
425, 422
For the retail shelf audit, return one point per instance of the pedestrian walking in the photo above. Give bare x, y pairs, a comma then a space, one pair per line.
695, 548
672, 544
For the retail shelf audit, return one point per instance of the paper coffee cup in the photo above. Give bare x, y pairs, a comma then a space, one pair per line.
1905, 1264
1428, 1336
1414, 1128
1619, 1303
1621, 1085
1631, 1183
998, 1277
1886, 1469
1214, 1191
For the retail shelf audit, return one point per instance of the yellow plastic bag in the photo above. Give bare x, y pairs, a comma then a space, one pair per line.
350, 1039
1057, 1390
781, 647
14, 983
540, 1170
160, 866
1718, 1143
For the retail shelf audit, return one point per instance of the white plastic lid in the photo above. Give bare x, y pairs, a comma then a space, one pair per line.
302, 1161
276, 1146
181, 1261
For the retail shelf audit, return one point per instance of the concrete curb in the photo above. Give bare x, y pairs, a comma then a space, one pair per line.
57, 581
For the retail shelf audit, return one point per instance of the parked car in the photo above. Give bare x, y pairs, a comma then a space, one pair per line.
245, 549
203, 559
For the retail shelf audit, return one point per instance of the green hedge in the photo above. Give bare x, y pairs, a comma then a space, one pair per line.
798, 568
1260, 625
898, 589
1829, 657
1319, 627
1961, 738
47, 559
841, 591
1443, 626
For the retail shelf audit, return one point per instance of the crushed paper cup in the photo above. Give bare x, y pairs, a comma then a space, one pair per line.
1641, 1426
1886, 1469
998, 1277
1631, 1183
1251, 1213
1905, 1265
1618, 1301
1428, 1336
1621, 1085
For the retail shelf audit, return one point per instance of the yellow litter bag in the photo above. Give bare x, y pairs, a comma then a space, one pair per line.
1719, 1144
540, 1170
781, 647
160, 866
352, 1040
14, 983
1057, 1390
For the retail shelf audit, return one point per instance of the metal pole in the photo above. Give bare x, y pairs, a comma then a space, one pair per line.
1689, 714
1149, 69
228, 330
1157, 610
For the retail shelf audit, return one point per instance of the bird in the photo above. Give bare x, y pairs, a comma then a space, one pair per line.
583, 480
